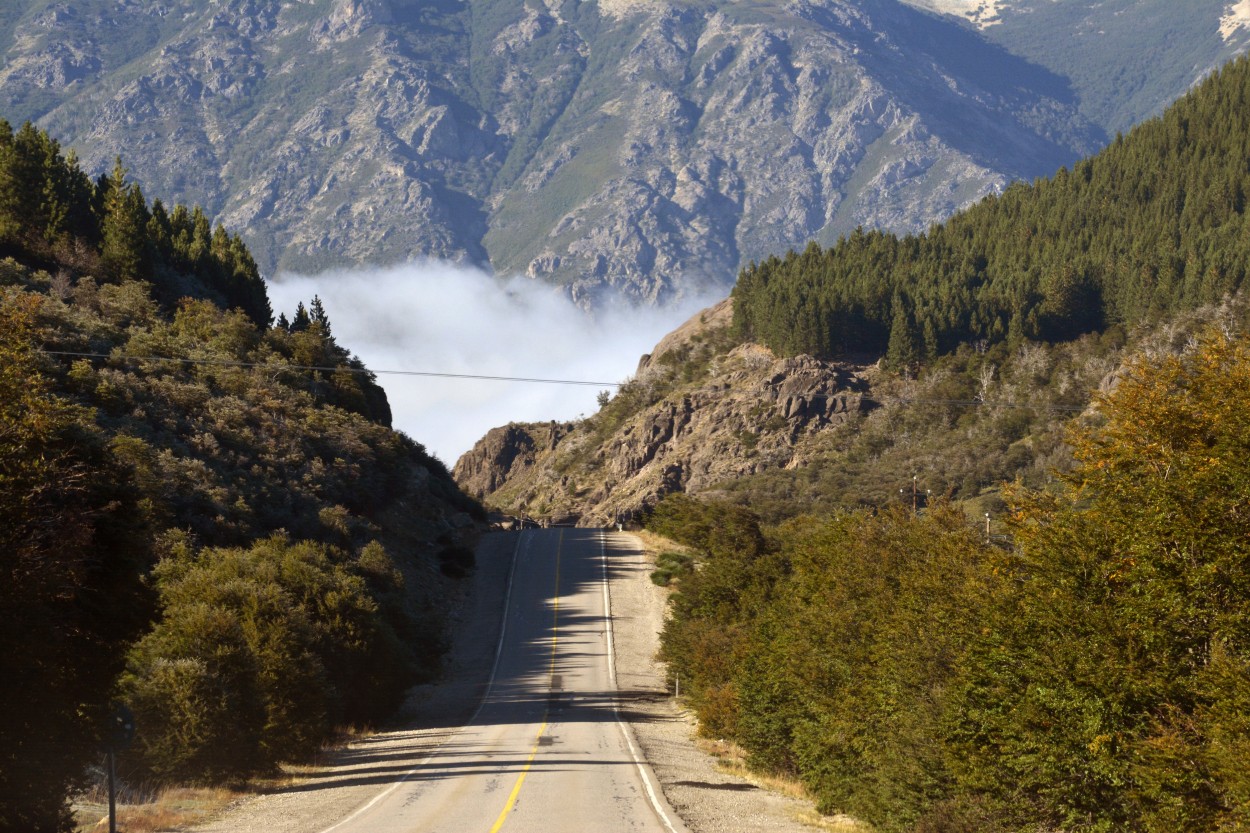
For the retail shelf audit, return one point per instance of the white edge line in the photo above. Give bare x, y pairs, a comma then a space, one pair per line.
629, 740
490, 685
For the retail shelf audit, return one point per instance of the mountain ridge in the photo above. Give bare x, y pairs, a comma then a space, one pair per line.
644, 150
982, 338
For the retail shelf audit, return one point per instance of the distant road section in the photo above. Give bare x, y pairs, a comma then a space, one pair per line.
547, 751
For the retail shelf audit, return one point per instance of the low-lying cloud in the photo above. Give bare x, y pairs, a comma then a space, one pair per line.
445, 318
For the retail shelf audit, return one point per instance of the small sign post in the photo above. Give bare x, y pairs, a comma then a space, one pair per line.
119, 733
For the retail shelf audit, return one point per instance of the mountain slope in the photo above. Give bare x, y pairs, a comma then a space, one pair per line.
192, 518
882, 357
1125, 59
641, 146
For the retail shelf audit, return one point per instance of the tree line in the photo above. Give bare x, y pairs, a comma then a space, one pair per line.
52, 213
1154, 224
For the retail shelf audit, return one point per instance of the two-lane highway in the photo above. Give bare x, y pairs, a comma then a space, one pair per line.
546, 752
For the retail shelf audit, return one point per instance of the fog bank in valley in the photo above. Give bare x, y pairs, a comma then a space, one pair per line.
445, 318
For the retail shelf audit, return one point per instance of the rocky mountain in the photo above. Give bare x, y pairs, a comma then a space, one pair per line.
1125, 59
643, 146
648, 147
770, 404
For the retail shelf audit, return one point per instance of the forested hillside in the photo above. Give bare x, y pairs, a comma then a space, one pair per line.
1154, 224
1081, 661
202, 514
1089, 672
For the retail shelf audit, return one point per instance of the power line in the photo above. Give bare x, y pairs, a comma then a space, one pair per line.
338, 369
883, 400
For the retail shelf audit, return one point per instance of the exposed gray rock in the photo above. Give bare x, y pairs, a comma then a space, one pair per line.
648, 147
759, 413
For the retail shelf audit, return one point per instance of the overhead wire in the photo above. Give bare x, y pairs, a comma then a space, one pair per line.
532, 380
329, 369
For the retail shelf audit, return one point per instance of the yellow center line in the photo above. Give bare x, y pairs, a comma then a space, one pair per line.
551, 671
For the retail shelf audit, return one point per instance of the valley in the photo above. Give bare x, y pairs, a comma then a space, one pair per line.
942, 497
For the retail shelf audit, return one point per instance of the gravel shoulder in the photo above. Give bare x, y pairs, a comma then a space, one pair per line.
706, 798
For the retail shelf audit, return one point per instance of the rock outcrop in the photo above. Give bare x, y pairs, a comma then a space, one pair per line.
750, 413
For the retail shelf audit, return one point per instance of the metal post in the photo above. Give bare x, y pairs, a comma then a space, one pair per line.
677, 691
987, 527
112, 794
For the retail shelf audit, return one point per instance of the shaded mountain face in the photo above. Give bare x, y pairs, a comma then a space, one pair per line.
644, 146
1125, 59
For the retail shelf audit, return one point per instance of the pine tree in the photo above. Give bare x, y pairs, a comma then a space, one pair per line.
125, 245
903, 352
317, 313
301, 321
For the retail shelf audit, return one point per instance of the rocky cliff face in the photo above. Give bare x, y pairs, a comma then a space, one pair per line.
640, 146
750, 413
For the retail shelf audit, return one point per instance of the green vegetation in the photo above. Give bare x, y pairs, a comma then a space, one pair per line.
52, 213
260, 651
200, 512
1092, 676
1086, 671
71, 597
671, 564
1153, 225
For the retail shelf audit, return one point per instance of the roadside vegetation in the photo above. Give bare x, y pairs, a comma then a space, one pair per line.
1092, 675
198, 505
1071, 356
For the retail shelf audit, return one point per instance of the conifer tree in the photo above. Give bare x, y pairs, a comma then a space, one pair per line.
124, 249
317, 312
10, 193
903, 352
301, 321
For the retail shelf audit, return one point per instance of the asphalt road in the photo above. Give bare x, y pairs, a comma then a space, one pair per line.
547, 751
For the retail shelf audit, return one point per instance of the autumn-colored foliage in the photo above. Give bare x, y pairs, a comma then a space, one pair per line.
1093, 676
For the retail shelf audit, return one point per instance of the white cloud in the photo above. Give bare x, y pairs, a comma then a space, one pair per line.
445, 318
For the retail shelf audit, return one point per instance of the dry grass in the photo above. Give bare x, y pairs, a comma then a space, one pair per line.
731, 760
653, 545
143, 809
169, 809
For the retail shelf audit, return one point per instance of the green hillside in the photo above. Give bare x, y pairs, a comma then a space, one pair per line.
1086, 670
199, 508
1080, 661
1154, 224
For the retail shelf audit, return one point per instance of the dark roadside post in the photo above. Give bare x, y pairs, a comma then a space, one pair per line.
118, 735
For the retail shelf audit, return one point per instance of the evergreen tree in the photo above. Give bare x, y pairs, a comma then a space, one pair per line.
317, 313
903, 351
302, 320
124, 249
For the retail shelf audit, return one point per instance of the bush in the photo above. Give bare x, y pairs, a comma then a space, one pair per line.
258, 654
